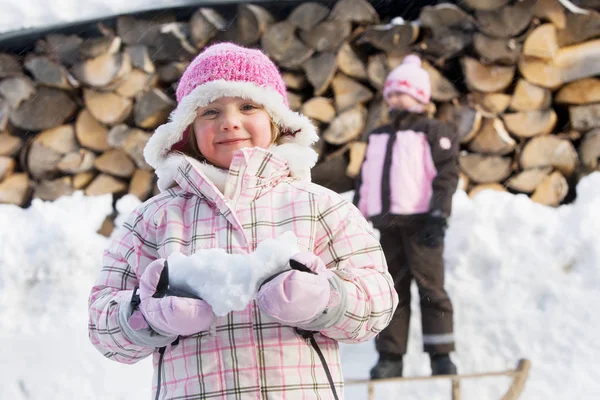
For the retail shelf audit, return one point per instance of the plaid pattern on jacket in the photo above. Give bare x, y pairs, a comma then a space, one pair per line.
247, 355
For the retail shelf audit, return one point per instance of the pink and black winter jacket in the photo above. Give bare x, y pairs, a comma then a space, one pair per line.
410, 168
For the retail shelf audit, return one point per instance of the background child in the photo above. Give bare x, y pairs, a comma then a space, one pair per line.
234, 170
407, 180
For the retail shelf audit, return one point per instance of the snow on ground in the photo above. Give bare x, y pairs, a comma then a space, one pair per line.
524, 280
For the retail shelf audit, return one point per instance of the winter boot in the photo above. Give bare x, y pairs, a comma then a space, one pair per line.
388, 366
441, 364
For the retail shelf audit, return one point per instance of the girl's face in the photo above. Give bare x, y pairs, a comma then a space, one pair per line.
229, 124
403, 101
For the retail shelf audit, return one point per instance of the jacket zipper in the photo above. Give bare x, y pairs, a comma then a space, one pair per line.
161, 351
310, 339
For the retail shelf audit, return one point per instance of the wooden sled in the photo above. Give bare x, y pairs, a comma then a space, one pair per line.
519, 375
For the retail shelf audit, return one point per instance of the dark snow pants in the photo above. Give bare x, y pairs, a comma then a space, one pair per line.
407, 260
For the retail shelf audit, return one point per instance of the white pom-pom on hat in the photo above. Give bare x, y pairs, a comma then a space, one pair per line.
412, 59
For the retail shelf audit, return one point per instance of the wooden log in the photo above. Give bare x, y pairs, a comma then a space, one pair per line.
528, 97
377, 116
140, 58
348, 93
392, 38
541, 42
9, 66
497, 50
445, 43
464, 118
102, 71
76, 162
60, 47
507, 21
47, 150
141, 184
359, 11
486, 78
493, 139
100, 45
133, 145
171, 72
585, 117
463, 181
327, 36
15, 189
446, 15
441, 88
115, 162
7, 167
589, 150
152, 109
347, 126
105, 184
549, 151
136, 82
280, 42
528, 180
583, 91
50, 190
42, 161
485, 169
9, 145
570, 64
16, 90
49, 73
331, 172
320, 109
82, 179
48, 109
552, 11
107, 107
253, 21
552, 190
294, 80
579, 28
90, 133
308, 15
350, 63
484, 5
172, 43
204, 25
294, 100
527, 124
377, 70
133, 30
357, 155
320, 70
491, 103
475, 190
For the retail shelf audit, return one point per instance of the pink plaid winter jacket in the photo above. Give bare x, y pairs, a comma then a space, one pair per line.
247, 356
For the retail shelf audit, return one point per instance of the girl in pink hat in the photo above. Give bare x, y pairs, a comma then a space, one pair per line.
233, 166
407, 180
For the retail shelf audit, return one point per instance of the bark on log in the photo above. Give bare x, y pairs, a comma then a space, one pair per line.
152, 109
16, 90
327, 36
140, 58
253, 21
350, 64
98, 46
391, 38
204, 25
585, 117
441, 88
320, 70
377, 70
484, 5
497, 51
49, 73
507, 21
347, 126
308, 15
50, 190
9, 66
552, 11
579, 28
359, 11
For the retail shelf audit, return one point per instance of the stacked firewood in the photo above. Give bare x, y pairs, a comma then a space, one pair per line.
516, 78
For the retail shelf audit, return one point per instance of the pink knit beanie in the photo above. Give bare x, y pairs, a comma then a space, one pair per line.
229, 70
409, 78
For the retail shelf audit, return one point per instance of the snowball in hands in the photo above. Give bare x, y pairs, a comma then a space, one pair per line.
228, 282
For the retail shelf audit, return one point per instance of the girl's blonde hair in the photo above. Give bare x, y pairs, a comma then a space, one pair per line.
190, 148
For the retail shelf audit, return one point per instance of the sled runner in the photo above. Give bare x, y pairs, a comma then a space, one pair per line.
519, 375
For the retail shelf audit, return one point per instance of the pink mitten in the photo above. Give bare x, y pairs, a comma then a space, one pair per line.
300, 295
166, 313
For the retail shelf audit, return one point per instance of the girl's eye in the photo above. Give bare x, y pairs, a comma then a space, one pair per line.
208, 113
249, 107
